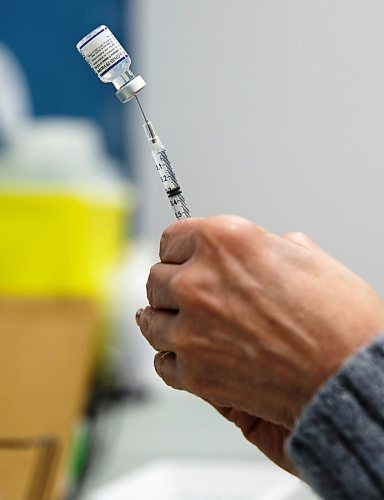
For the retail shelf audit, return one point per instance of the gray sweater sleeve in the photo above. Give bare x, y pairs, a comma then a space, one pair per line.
338, 444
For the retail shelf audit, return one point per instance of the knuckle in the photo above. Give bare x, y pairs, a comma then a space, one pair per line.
164, 241
300, 239
231, 230
147, 324
181, 284
151, 283
158, 362
150, 291
144, 320
185, 286
293, 235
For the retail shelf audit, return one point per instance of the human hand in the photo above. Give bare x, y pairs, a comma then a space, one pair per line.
269, 438
250, 320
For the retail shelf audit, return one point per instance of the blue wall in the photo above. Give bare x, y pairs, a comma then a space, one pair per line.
43, 34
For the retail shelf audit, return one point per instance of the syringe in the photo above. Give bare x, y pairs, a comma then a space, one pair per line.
111, 63
164, 167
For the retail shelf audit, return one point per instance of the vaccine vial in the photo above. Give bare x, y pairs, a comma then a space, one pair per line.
110, 62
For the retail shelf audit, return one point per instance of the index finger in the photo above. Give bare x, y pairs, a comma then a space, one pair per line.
177, 241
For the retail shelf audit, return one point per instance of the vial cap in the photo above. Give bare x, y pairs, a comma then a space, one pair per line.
130, 89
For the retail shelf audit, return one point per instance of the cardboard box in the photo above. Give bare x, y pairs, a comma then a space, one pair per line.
46, 356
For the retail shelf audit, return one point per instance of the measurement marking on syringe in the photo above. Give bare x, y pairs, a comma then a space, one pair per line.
173, 192
167, 176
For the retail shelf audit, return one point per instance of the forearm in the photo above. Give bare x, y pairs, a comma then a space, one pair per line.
338, 444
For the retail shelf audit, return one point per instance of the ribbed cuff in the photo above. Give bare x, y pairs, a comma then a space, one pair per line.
338, 444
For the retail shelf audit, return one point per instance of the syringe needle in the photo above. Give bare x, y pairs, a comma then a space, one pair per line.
141, 109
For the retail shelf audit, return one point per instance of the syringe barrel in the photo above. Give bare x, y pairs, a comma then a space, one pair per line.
167, 176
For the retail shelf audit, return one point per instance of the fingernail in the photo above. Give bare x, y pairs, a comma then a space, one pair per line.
137, 315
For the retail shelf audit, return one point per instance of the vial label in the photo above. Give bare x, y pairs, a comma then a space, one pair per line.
103, 51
